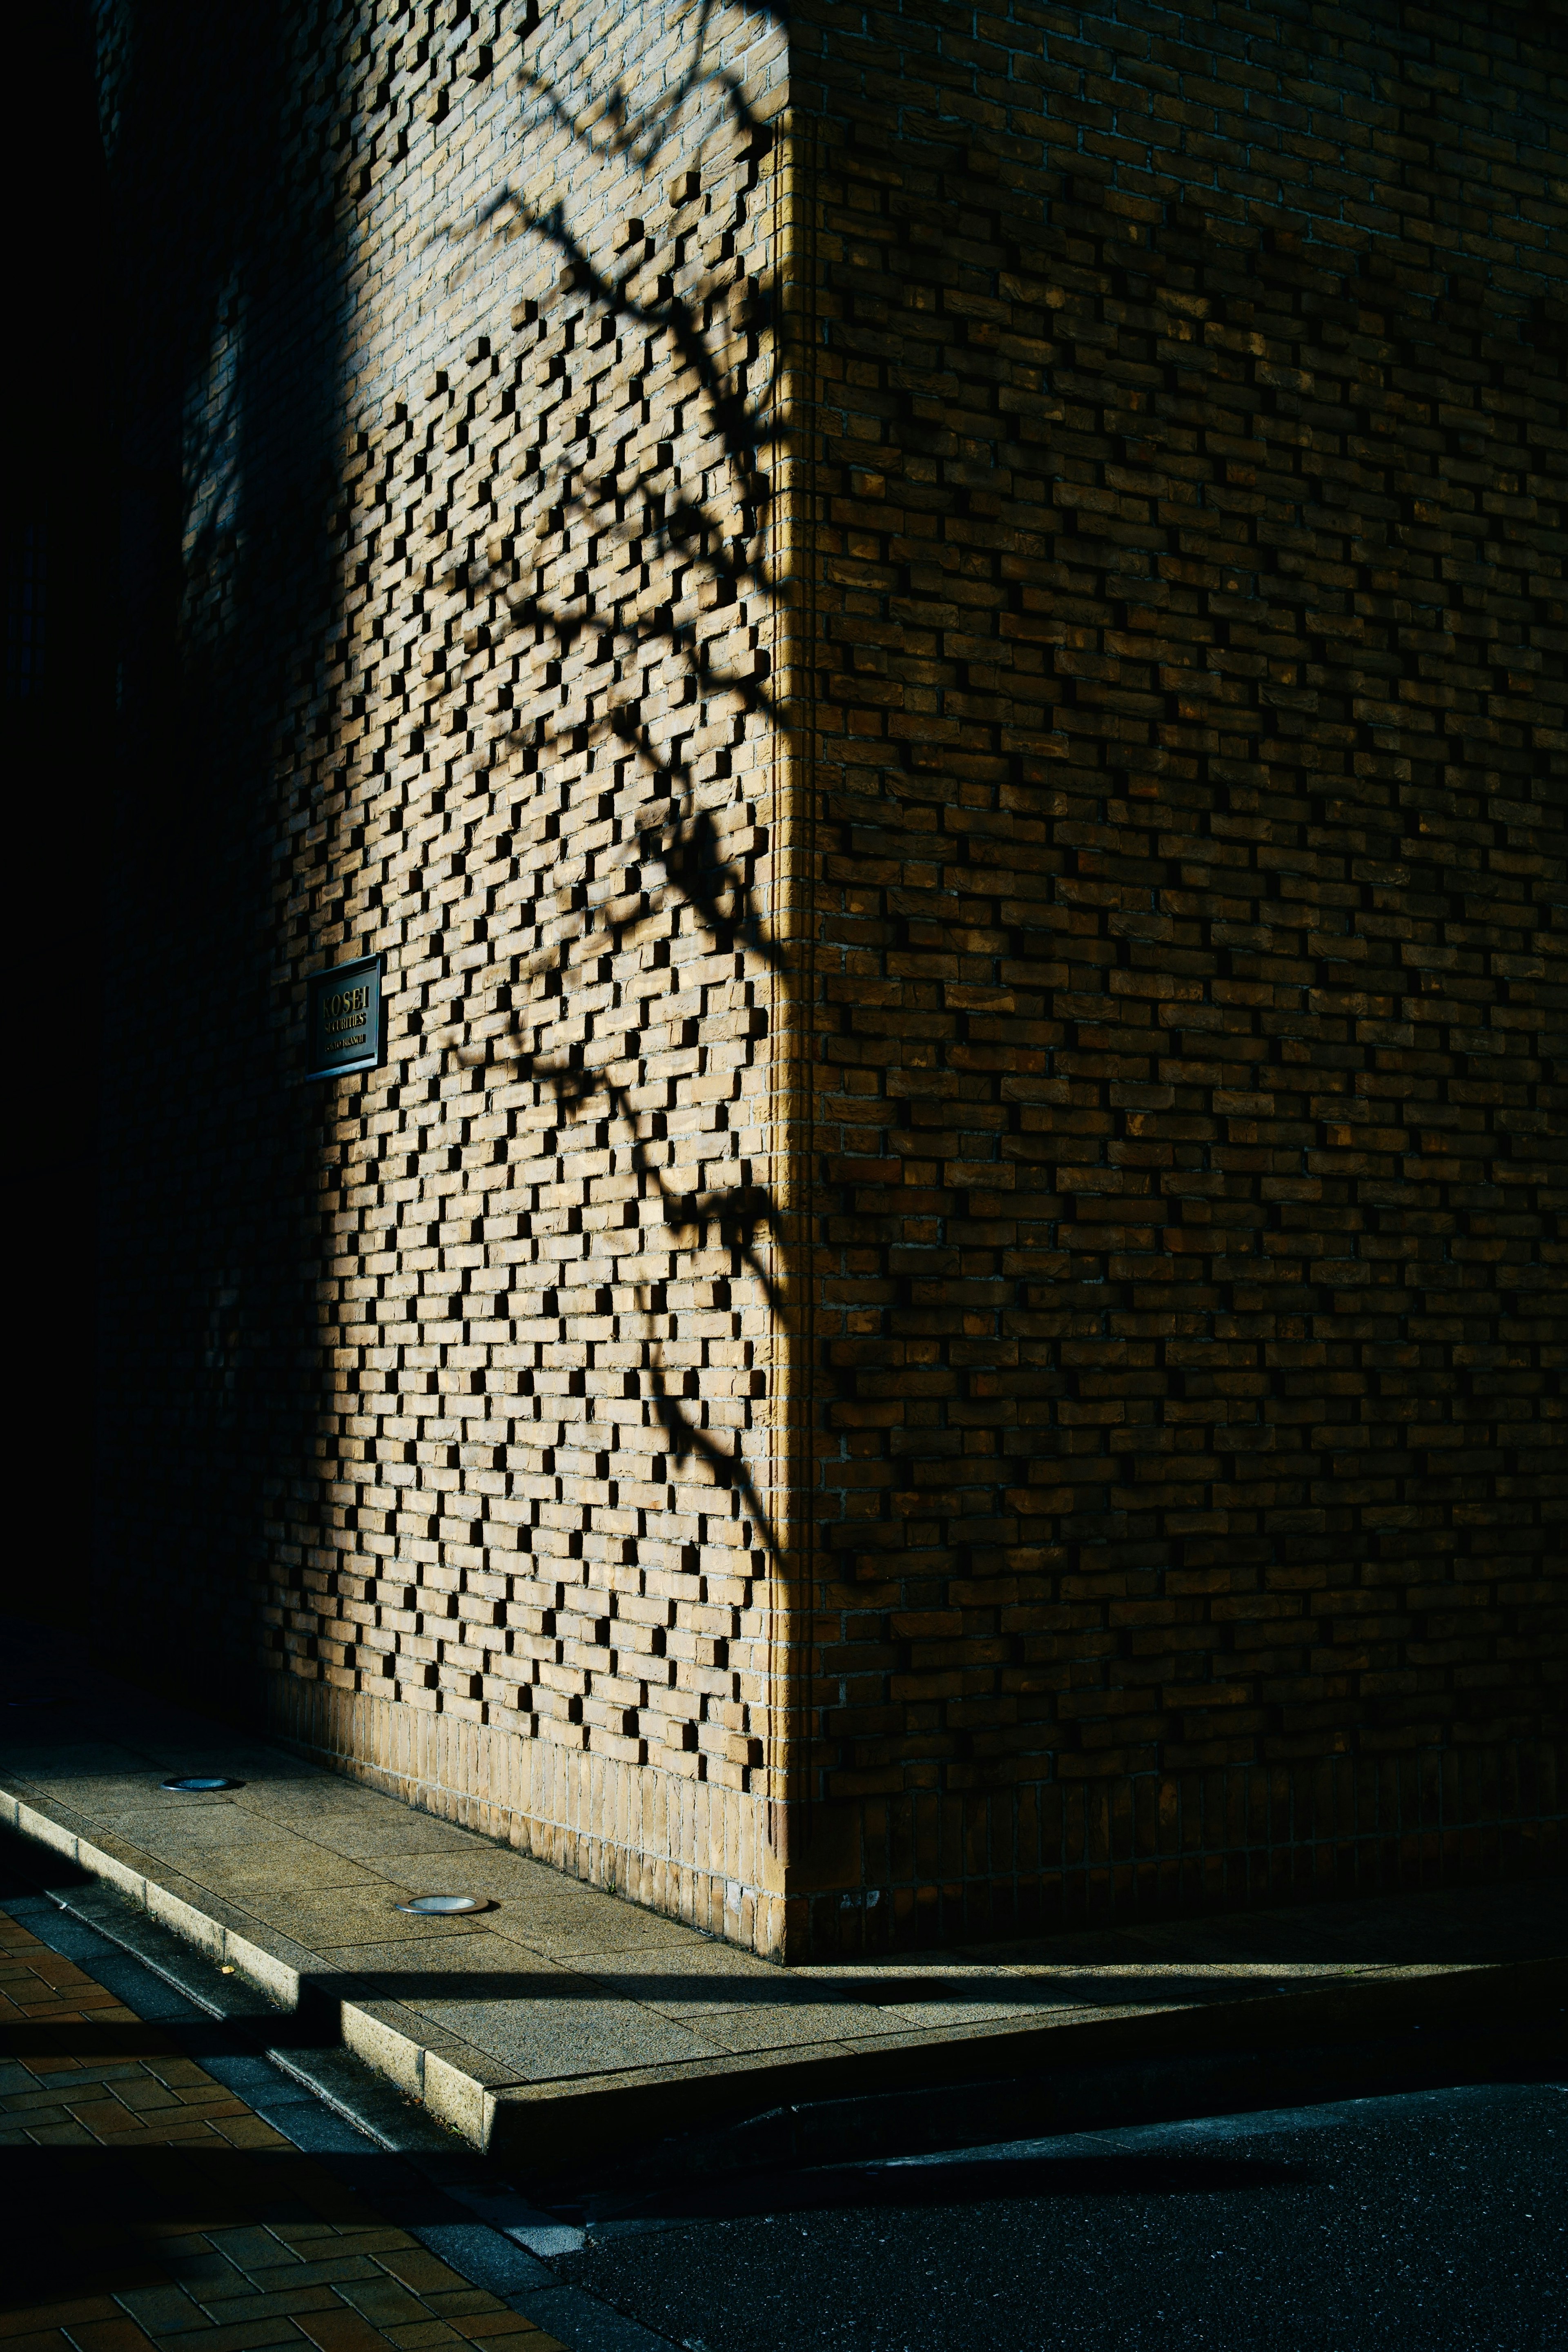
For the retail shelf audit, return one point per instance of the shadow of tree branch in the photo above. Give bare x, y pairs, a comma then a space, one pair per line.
717, 538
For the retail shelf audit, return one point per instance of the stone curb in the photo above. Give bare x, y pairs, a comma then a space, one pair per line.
576, 2120
443, 2075
1057, 2067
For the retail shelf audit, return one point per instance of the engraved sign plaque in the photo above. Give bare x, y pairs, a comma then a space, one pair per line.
344, 1019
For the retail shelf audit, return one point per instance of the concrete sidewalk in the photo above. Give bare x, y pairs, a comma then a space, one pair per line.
561, 2020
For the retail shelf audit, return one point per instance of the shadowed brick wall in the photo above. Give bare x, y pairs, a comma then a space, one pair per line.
1189, 664
931, 646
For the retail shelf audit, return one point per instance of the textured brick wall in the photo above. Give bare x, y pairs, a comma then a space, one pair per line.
1083, 486
1188, 642
444, 1392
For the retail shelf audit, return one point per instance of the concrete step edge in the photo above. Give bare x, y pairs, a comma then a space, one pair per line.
514, 2120
413, 2063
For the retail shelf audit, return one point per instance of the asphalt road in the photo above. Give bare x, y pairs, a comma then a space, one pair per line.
1430, 2220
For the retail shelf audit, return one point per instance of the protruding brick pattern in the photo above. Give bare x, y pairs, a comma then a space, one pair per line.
544, 1297
533, 1486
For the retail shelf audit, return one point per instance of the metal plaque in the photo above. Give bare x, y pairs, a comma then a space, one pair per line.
344, 1019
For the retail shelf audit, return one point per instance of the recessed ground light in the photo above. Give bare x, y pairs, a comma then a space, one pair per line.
200, 1784
442, 1907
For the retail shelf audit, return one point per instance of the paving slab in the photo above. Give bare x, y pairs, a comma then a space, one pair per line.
561, 2017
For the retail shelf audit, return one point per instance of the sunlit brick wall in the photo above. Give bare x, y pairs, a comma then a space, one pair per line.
461, 1422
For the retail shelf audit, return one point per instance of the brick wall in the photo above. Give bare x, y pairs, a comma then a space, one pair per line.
440, 1398
927, 647
1188, 642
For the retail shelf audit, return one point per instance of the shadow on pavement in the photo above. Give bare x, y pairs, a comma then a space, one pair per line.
85, 2221
914, 2188
98, 2220
24, 1868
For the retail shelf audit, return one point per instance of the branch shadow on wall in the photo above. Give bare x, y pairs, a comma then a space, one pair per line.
601, 499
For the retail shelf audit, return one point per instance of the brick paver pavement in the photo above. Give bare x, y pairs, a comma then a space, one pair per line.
144, 2204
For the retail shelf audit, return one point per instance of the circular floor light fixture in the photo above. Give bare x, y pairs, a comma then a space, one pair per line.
202, 1784
443, 1906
